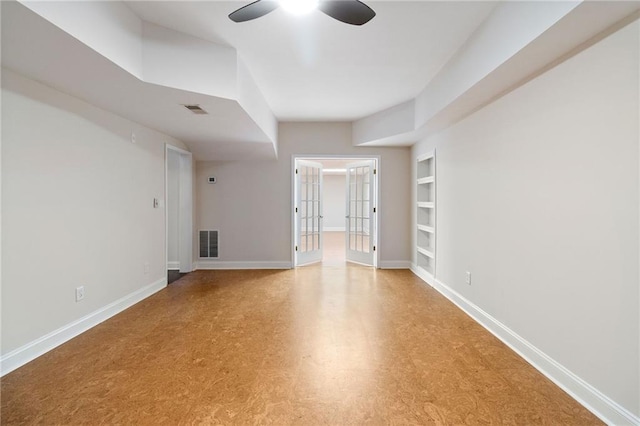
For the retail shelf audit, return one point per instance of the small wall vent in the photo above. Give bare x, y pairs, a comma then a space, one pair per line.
209, 244
196, 109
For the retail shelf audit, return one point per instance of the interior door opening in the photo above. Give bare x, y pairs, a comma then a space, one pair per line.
178, 212
335, 204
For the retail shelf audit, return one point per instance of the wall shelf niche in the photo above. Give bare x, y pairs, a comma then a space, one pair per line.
426, 214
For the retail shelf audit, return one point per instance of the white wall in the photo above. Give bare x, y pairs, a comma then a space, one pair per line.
537, 196
77, 199
251, 203
173, 204
334, 192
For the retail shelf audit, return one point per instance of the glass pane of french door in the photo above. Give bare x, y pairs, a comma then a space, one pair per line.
359, 215
309, 214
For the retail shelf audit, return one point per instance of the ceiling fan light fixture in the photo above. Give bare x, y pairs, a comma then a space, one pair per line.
298, 7
353, 12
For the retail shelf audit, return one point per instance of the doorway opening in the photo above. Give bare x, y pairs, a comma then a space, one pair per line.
178, 212
335, 204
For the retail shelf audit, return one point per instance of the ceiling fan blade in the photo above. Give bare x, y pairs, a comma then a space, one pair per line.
253, 10
352, 12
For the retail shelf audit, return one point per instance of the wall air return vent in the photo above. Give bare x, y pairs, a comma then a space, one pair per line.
196, 109
209, 244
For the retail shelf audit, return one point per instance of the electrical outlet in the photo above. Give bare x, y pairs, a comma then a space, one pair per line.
468, 278
79, 293
146, 268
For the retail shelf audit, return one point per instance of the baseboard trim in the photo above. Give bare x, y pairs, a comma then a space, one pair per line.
32, 350
394, 264
591, 398
173, 265
212, 265
333, 229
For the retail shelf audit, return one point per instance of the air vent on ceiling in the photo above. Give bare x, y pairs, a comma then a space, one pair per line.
195, 109
209, 244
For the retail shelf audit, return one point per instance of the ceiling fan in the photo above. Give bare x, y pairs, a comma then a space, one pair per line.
352, 12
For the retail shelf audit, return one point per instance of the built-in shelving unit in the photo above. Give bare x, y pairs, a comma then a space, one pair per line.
426, 214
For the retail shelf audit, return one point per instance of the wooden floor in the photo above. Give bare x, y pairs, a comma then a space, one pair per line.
316, 345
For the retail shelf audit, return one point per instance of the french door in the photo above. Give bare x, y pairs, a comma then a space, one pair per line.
360, 219
309, 212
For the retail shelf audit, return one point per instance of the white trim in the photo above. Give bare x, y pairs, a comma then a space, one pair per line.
32, 350
334, 229
395, 264
591, 398
210, 265
173, 266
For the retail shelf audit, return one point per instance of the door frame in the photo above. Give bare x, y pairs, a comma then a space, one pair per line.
320, 157
185, 211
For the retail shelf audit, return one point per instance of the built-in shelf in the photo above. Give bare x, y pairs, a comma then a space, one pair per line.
425, 228
426, 264
427, 204
426, 214
426, 252
426, 180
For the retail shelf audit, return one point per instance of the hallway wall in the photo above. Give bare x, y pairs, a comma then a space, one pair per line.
334, 193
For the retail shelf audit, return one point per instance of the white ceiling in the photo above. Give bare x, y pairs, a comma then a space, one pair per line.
33, 47
311, 68
314, 68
